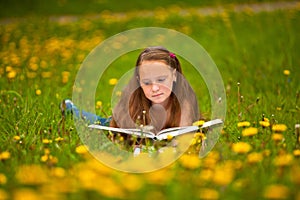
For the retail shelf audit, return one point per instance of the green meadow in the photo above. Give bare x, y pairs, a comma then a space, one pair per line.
256, 157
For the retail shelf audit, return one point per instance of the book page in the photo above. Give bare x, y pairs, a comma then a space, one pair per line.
137, 132
205, 125
168, 130
180, 131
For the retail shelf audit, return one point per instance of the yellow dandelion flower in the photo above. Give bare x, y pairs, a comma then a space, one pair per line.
283, 160
121, 138
15, 59
58, 139
33, 66
4, 155
266, 119
46, 141
46, 151
198, 123
190, 161
53, 159
65, 79
207, 193
279, 128
24, 193
82, 149
59, 172
286, 72
276, 191
169, 137
197, 135
112, 189
159, 177
211, 160
17, 138
193, 141
44, 158
277, 136
264, 123
3, 179
200, 136
46, 74
65, 76
241, 147
296, 152
38, 92
243, 124
12, 74
236, 164
249, 131
113, 81
131, 182
33, 59
223, 175
206, 174
8, 69
98, 104
254, 157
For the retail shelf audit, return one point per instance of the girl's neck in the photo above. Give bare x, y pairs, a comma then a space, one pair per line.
160, 113
166, 104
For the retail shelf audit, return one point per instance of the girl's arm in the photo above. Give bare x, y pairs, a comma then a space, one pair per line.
188, 115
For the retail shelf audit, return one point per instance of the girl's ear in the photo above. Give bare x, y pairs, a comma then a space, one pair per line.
138, 80
174, 75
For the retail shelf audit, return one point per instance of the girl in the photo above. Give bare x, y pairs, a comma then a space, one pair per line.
157, 95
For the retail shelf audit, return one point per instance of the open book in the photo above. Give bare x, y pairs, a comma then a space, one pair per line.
163, 134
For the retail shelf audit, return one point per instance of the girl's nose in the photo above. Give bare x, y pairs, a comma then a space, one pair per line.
155, 87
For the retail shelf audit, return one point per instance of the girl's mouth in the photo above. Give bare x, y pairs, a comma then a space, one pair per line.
157, 95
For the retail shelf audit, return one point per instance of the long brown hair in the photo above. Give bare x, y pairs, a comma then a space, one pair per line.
134, 107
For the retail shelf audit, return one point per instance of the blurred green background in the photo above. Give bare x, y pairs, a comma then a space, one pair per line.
18, 8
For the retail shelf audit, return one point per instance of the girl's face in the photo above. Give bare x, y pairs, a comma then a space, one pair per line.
156, 79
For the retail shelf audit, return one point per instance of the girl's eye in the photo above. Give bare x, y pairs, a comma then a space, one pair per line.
146, 82
160, 80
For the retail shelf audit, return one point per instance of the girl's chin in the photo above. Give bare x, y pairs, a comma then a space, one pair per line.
159, 101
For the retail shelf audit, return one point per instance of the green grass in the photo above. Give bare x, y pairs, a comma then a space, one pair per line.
250, 49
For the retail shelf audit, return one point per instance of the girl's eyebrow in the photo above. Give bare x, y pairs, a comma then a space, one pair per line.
157, 77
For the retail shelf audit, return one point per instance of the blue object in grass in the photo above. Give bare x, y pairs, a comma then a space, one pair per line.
89, 117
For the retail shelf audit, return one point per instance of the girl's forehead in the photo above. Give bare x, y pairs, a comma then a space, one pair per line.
153, 68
